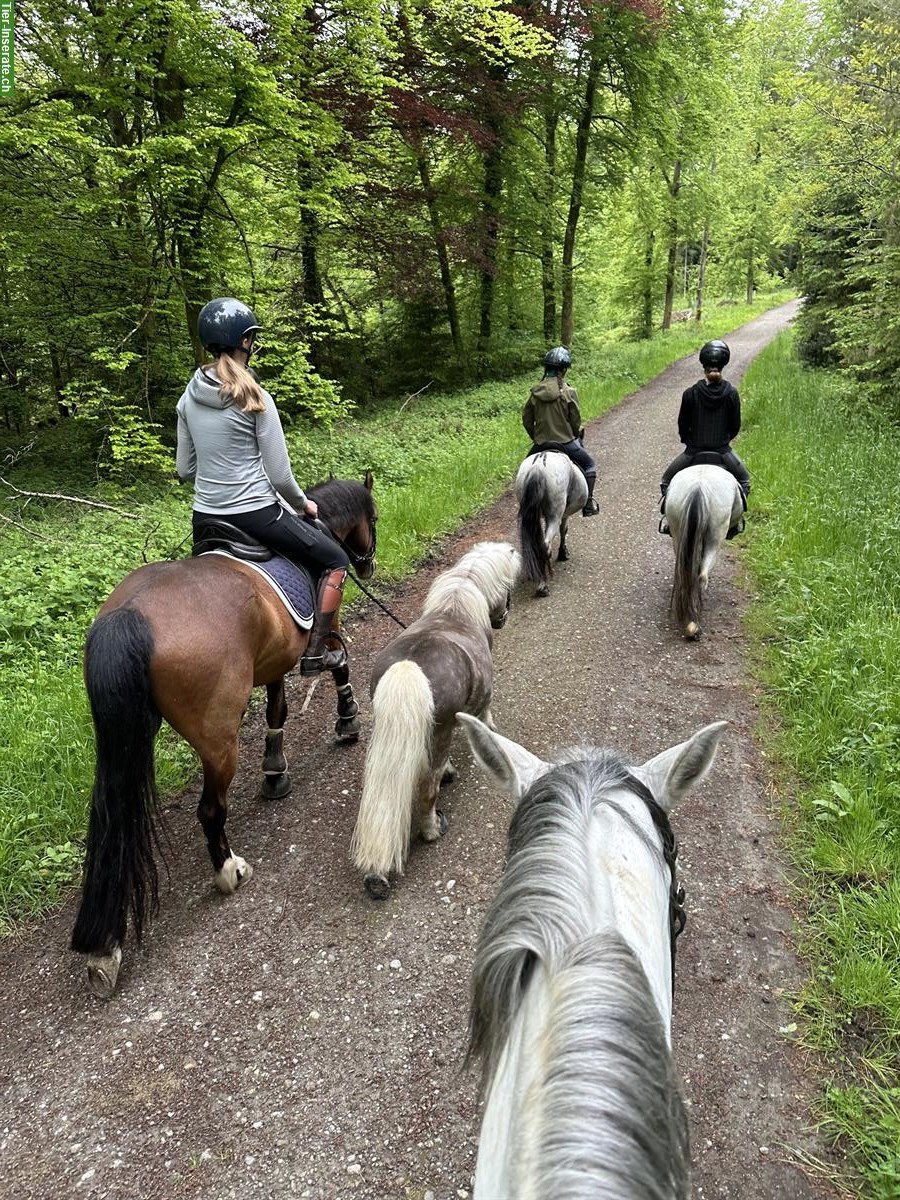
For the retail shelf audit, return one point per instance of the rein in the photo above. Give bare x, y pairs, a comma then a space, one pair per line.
677, 915
360, 561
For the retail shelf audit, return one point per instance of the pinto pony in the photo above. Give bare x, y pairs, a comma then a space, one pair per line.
572, 983
439, 666
187, 642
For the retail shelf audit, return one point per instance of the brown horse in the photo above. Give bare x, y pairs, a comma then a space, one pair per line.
187, 642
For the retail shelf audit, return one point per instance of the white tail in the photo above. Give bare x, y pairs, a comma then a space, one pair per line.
397, 760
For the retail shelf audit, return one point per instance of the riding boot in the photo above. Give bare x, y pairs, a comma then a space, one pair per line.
591, 508
663, 523
318, 656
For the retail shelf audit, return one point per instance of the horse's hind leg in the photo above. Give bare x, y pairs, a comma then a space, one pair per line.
432, 822
347, 725
212, 811
276, 780
563, 554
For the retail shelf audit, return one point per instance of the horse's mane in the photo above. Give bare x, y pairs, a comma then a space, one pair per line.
605, 1041
342, 501
610, 1120
477, 584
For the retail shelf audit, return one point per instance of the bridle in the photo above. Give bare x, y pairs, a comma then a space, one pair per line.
359, 561
677, 915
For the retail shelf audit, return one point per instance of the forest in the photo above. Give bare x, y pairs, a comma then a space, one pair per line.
418, 200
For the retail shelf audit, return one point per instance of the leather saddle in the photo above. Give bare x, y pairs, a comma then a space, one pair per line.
220, 535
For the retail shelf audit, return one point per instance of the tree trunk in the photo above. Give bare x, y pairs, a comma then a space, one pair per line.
646, 326
440, 243
548, 272
751, 276
674, 189
701, 275
490, 237
582, 140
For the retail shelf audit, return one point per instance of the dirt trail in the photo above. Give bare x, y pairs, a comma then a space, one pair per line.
299, 1040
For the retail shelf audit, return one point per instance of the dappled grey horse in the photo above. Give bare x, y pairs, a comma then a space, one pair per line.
439, 666
549, 489
702, 504
572, 984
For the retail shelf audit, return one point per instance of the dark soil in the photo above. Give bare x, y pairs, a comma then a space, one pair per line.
298, 1039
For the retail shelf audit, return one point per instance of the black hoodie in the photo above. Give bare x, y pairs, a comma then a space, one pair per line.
710, 416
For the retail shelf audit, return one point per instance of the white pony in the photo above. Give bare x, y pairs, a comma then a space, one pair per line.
437, 667
549, 489
572, 984
702, 504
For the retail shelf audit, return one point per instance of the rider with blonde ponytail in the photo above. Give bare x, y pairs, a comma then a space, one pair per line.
230, 442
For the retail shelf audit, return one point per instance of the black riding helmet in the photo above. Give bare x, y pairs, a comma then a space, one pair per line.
715, 354
224, 323
557, 359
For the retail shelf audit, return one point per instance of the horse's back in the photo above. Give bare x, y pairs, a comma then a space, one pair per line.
203, 612
719, 490
564, 481
455, 657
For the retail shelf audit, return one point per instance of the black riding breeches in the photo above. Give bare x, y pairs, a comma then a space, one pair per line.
580, 457
286, 534
730, 462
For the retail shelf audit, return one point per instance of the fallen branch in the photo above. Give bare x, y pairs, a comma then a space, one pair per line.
24, 528
414, 396
72, 499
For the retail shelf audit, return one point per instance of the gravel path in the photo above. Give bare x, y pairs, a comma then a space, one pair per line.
300, 1040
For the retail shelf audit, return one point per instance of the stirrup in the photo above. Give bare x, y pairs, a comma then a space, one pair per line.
328, 660
591, 508
736, 529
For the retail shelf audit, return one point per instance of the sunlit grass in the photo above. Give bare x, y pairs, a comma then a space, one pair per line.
825, 555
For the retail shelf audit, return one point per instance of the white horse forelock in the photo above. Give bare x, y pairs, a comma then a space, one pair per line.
478, 584
600, 1112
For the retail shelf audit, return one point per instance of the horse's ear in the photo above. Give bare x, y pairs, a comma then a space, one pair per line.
674, 772
512, 767
369, 481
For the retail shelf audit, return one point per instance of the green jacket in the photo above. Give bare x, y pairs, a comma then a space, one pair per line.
551, 413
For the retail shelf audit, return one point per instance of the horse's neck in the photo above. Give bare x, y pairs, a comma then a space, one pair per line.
630, 892
507, 1142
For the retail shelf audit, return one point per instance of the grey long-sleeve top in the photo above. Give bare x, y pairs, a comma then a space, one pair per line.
237, 460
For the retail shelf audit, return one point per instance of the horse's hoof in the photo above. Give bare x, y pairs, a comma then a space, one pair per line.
443, 823
275, 787
234, 872
347, 729
543, 590
563, 555
692, 631
377, 886
450, 775
103, 973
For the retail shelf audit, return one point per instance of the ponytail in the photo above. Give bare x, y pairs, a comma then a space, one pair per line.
714, 374
239, 384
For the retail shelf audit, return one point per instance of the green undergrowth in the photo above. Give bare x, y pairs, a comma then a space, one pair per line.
825, 557
437, 459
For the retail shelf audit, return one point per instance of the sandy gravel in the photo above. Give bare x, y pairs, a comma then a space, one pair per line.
300, 1040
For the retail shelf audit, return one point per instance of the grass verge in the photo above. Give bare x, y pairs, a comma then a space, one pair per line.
825, 557
436, 462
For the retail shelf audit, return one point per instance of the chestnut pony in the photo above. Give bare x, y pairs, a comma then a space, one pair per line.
187, 642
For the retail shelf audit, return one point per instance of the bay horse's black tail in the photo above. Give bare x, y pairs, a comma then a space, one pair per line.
119, 870
535, 558
687, 594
